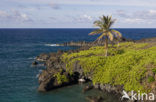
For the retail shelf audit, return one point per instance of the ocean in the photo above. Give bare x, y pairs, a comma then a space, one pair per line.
19, 47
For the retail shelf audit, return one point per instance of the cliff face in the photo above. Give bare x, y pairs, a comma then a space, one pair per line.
55, 74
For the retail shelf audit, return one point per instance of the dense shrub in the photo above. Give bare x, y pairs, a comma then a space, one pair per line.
126, 65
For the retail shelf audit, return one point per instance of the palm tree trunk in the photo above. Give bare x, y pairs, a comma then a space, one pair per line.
118, 44
112, 44
106, 46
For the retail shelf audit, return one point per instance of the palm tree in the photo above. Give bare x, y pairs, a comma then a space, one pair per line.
105, 30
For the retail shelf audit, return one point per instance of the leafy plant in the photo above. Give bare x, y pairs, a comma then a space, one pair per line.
61, 78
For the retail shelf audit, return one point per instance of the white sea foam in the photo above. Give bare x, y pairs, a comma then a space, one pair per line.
39, 72
37, 75
51, 45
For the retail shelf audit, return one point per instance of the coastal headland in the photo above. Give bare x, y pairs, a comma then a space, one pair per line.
131, 66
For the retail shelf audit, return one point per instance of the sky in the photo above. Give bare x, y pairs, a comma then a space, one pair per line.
76, 13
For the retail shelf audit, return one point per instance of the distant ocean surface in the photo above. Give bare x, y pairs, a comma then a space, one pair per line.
19, 47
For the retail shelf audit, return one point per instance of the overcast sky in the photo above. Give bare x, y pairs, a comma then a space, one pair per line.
76, 13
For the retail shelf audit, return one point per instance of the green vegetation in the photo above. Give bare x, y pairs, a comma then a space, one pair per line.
151, 79
154, 70
60, 78
106, 32
126, 65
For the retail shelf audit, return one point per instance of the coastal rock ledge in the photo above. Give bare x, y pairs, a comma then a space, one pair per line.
55, 75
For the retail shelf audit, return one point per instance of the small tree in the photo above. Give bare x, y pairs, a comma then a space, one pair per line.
105, 30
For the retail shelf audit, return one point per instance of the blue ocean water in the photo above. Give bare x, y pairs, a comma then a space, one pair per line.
18, 47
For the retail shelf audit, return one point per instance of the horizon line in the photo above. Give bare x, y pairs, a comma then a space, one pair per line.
74, 28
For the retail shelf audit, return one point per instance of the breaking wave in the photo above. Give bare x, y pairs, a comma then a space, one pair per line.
51, 45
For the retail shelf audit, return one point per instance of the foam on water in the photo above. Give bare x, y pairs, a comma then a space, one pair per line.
31, 58
37, 75
51, 45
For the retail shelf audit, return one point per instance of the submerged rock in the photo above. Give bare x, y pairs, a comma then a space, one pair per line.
94, 98
34, 63
87, 88
42, 57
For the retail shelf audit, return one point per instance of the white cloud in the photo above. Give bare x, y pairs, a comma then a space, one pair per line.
87, 17
14, 16
140, 17
122, 13
25, 17
3, 13
84, 18
135, 20
147, 3
76, 12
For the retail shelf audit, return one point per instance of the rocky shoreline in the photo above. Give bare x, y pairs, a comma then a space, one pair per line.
55, 75
95, 43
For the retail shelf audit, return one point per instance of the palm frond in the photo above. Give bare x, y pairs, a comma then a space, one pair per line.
98, 31
110, 35
111, 23
98, 23
116, 33
101, 36
107, 22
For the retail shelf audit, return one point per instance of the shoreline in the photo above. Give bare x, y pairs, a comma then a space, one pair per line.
95, 43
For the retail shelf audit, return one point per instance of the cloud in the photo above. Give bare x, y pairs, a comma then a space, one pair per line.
14, 16
141, 3
84, 18
150, 14
3, 14
53, 18
54, 6
146, 16
122, 13
87, 17
134, 20
76, 12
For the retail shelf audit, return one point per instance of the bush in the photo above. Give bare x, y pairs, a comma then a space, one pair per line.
125, 65
61, 78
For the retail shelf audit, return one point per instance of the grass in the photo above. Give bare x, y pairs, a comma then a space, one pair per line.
127, 65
